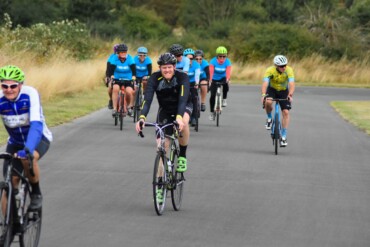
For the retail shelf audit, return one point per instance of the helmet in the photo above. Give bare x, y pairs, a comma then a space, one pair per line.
167, 58
199, 53
142, 50
11, 72
221, 50
176, 49
280, 60
122, 47
115, 48
189, 51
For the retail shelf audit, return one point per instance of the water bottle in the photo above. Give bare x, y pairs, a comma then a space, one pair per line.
20, 200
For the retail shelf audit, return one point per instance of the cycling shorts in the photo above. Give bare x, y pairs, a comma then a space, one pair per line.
273, 93
164, 117
125, 83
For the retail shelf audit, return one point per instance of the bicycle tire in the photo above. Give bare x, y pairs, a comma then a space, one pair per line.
276, 134
177, 181
137, 104
121, 111
159, 183
32, 231
115, 120
6, 230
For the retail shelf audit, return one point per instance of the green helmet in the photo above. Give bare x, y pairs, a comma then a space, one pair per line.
11, 72
221, 50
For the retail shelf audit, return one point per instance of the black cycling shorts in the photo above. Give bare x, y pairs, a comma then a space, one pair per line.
124, 83
164, 117
273, 93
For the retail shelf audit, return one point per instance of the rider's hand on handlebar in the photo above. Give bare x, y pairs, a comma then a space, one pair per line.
290, 98
21, 154
140, 125
180, 122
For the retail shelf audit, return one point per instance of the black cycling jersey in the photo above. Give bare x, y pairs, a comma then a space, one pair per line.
172, 95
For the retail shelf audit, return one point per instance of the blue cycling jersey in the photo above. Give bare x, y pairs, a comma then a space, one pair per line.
194, 72
23, 118
142, 67
203, 65
220, 69
184, 65
123, 70
111, 57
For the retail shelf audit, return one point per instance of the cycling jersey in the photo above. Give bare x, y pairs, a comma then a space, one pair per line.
122, 70
194, 73
278, 80
219, 69
23, 118
184, 65
143, 68
204, 70
172, 95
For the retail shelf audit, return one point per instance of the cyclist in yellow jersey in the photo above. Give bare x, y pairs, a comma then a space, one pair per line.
278, 82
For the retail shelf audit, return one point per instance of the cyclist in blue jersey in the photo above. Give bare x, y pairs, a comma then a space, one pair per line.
123, 72
204, 77
21, 112
219, 71
143, 66
193, 73
183, 63
107, 78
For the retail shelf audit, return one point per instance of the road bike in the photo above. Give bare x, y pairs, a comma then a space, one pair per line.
138, 100
218, 103
165, 176
196, 109
121, 106
16, 219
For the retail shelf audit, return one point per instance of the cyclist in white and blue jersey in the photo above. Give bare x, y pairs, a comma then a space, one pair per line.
204, 77
183, 63
143, 66
122, 70
107, 78
219, 71
21, 113
194, 75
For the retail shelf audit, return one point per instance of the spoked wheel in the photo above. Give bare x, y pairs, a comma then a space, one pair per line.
276, 135
177, 190
32, 230
197, 115
115, 120
121, 110
159, 185
6, 230
121, 119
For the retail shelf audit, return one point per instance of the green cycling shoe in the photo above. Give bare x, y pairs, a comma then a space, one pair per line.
159, 196
181, 164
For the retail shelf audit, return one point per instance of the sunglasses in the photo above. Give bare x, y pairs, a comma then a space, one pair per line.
178, 55
191, 58
199, 59
282, 66
11, 86
221, 56
142, 55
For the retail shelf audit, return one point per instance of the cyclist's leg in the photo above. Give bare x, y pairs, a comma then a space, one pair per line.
285, 108
212, 98
116, 88
129, 96
203, 90
184, 140
225, 88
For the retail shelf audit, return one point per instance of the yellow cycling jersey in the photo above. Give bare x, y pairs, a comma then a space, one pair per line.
277, 80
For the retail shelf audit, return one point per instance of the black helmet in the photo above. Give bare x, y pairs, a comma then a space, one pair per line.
167, 58
199, 53
176, 49
122, 48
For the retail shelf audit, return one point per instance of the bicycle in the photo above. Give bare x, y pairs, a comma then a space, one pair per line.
165, 176
121, 106
138, 100
196, 109
16, 219
276, 125
218, 102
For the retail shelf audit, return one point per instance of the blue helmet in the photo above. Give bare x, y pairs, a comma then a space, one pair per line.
142, 49
189, 51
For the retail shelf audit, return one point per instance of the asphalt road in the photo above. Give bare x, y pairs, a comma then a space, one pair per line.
96, 180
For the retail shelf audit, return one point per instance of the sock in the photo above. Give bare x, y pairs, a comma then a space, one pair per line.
36, 188
284, 132
269, 115
183, 151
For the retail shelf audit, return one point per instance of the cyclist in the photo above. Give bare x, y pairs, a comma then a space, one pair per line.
183, 63
107, 78
143, 66
204, 77
122, 70
21, 112
172, 89
219, 71
278, 82
193, 73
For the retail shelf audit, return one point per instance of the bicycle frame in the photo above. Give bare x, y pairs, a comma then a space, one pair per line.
218, 102
276, 126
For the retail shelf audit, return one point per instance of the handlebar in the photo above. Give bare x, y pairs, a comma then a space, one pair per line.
175, 124
8, 156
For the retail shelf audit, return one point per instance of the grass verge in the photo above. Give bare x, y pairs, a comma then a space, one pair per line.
355, 112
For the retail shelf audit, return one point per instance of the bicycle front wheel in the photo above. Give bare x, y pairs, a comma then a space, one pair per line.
6, 217
159, 184
137, 104
276, 134
32, 230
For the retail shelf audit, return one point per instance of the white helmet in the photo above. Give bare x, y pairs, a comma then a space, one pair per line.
280, 60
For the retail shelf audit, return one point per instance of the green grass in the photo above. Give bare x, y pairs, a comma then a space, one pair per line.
355, 112
64, 109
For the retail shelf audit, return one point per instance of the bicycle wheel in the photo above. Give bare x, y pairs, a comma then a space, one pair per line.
121, 111
276, 134
6, 227
32, 229
137, 104
159, 184
218, 103
177, 185
197, 115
